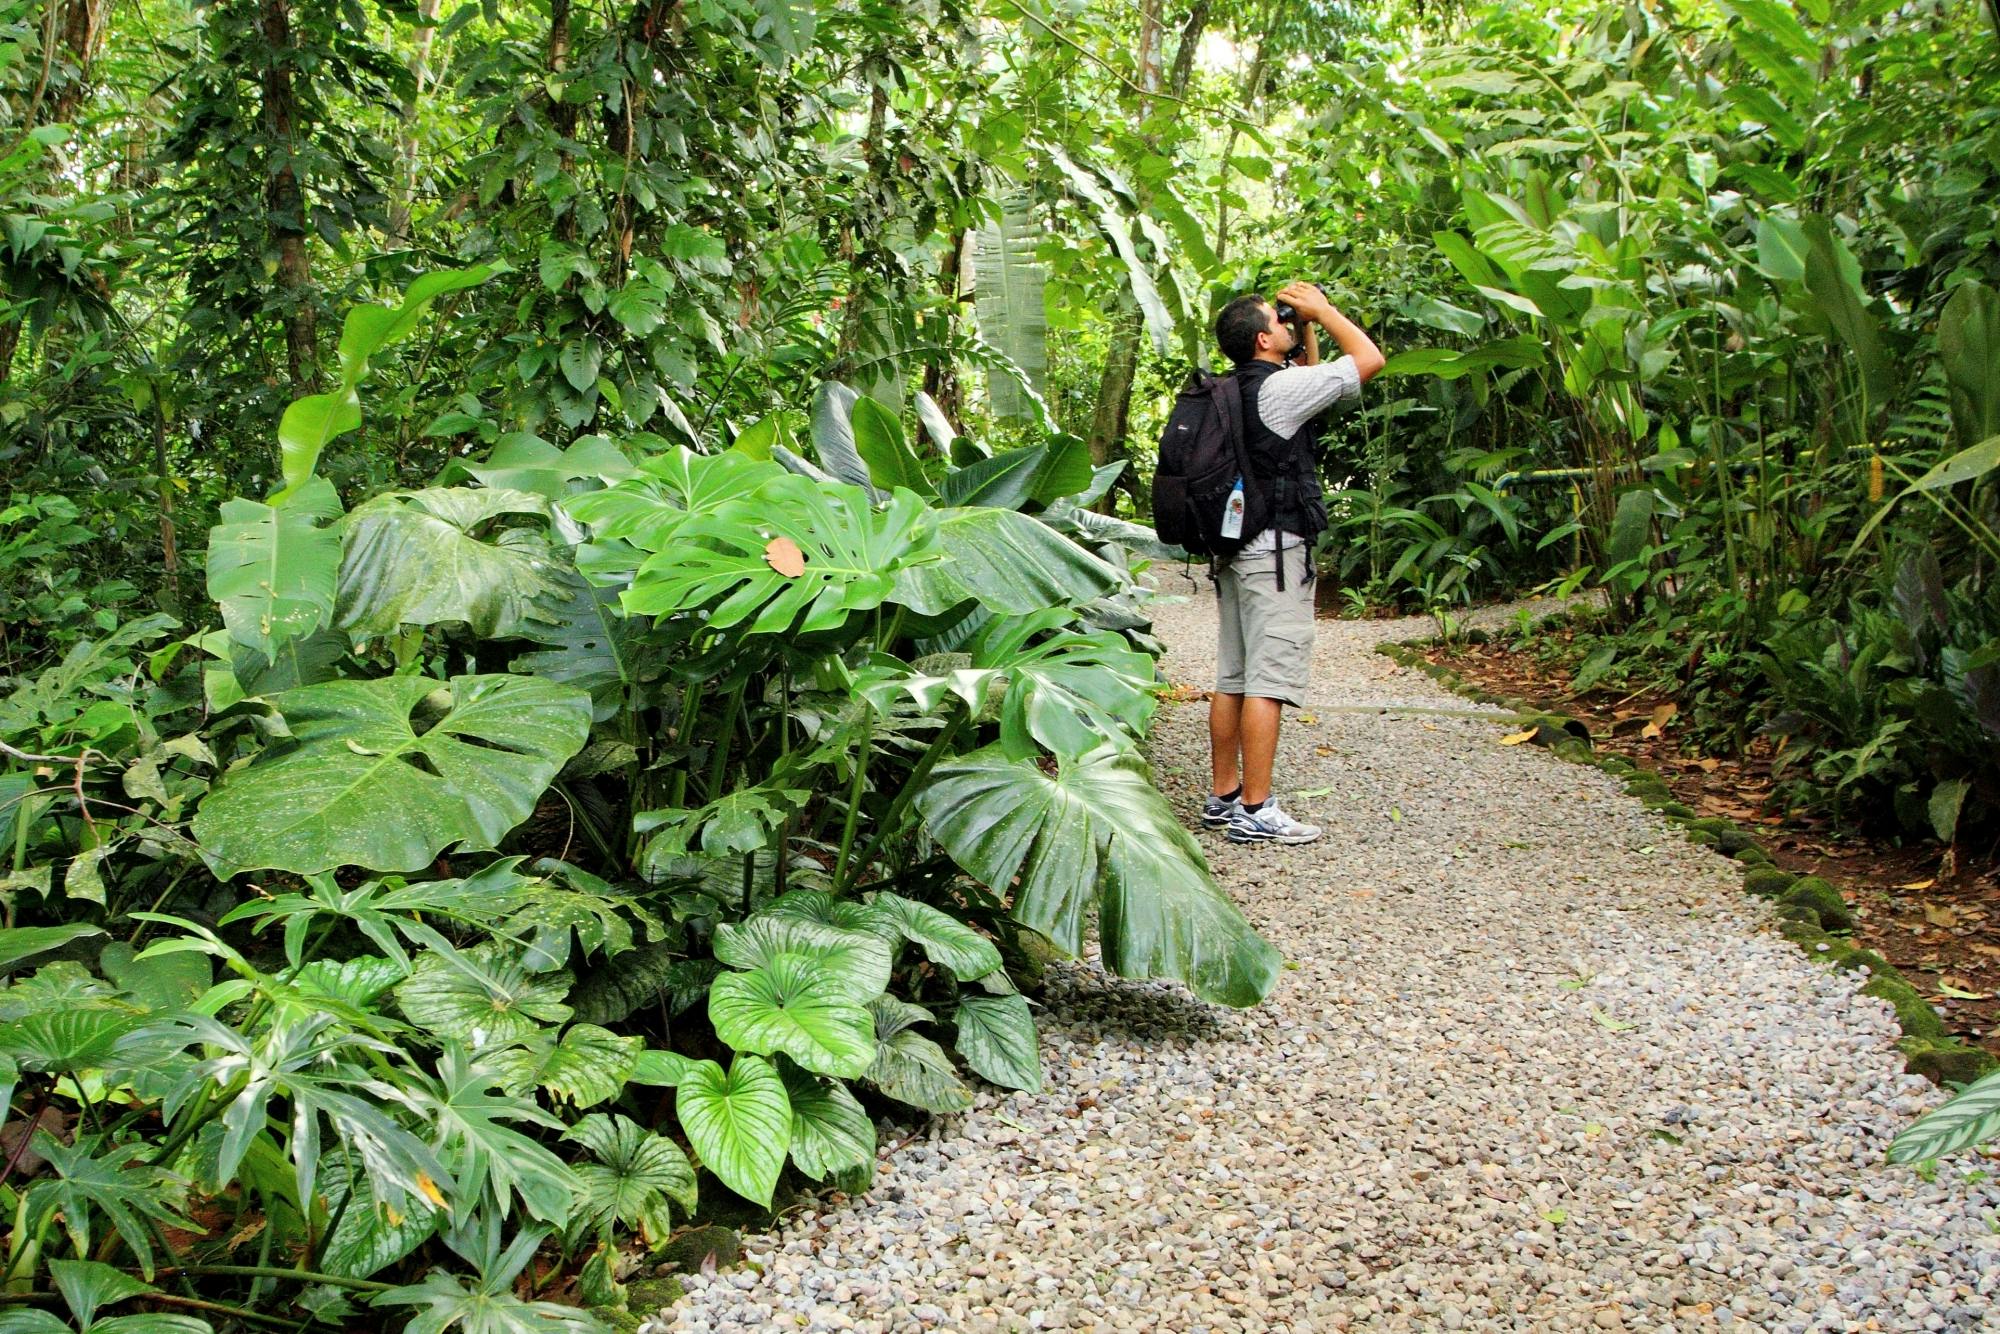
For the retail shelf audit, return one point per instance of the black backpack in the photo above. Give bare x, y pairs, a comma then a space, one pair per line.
1202, 454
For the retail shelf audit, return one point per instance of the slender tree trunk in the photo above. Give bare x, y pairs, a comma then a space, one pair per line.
1253, 91
940, 377
861, 282
406, 147
1110, 422
285, 201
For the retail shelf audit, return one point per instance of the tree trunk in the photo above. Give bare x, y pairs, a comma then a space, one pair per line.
940, 376
861, 282
82, 36
285, 202
406, 146
1253, 89
1110, 422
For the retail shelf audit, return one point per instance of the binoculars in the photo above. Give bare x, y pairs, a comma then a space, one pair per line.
1288, 316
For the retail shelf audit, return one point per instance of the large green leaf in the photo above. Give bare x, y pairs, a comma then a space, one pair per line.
1969, 348
24, 942
1117, 228
419, 558
590, 644
1973, 1117
584, 1065
834, 442
857, 962
878, 437
1097, 834
635, 1179
1069, 692
1833, 281
852, 556
273, 569
484, 994
997, 1038
739, 1123
360, 786
1005, 481
1008, 302
945, 941
310, 423
911, 1068
1006, 561
831, 1131
521, 461
369, 1236
794, 1005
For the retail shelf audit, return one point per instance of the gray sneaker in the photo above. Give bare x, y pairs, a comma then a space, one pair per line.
1215, 812
1268, 824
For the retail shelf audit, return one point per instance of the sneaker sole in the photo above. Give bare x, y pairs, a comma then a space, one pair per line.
1289, 839
1215, 822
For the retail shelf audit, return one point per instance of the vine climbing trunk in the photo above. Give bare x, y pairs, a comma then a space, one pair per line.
284, 200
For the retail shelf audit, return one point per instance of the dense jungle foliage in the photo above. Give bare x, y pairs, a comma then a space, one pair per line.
572, 633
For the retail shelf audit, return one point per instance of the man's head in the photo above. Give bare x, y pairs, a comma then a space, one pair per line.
1248, 329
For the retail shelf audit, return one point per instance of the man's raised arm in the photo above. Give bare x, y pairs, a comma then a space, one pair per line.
1309, 302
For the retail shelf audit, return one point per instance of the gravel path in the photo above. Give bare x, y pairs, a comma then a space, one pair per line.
1537, 1067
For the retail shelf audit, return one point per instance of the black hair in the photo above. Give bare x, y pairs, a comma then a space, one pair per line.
1237, 327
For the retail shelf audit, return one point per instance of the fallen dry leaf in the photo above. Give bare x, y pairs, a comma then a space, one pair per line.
1516, 738
783, 555
1710, 766
1662, 715
1918, 884
1940, 914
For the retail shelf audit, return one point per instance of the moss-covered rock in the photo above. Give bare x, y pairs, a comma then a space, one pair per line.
1671, 808
1711, 824
1751, 856
1767, 882
1701, 838
1876, 965
1730, 842
1823, 898
1807, 934
691, 1250
1913, 1012
1945, 1062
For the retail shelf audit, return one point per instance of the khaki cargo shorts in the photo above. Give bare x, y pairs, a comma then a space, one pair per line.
1265, 646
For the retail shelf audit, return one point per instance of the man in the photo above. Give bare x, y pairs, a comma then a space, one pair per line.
1264, 655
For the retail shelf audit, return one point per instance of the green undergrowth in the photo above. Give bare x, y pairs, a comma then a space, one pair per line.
1811, 912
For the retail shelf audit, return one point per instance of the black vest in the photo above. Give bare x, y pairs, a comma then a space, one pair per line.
1287, 467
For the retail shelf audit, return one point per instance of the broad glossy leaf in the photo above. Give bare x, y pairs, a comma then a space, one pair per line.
1005, 481
24, 942
1006, 561
273, 569
1069, 693
1066, 471
911, 1068
584, 1065
1781, 248
66, 1039
857, 962
879, 439
360, 786
637, 1175
591, 645
370, 1235
1097, 834
521, 461
88, 1285
945, 940
853, 555
740, 1123
1969, 348
831, 1131
1833, 281
1009, 304
417, 558
834, 443
997, 1038
795, 1005
484, 994
936, 425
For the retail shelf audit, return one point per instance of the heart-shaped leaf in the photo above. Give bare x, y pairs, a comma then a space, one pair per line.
740, 1123
794, 1005
945, 940
485, 992
855, 963
831, 1131
585, 1064
997, 1038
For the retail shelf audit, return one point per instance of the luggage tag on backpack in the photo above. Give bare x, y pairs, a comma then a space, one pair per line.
1232, 512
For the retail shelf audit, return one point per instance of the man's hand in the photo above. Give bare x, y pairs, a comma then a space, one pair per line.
1308, 301
1312, 304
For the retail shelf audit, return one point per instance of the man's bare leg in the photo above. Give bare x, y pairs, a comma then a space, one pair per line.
1225, 725
1258, 727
